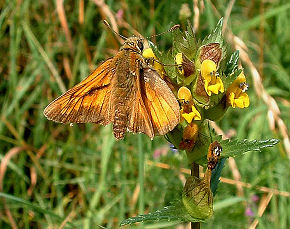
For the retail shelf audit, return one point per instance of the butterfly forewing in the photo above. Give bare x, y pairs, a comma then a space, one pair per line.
88, 101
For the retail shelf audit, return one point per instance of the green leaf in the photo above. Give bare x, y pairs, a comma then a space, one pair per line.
216, 35
232, 64
239, 147
233, 148
165, 58
185, 42
175, 212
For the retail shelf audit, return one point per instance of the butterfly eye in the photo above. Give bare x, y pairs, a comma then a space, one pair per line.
140, 45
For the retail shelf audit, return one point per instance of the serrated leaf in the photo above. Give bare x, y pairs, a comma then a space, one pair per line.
165, 58
175, 212
185, 42
236, 147
232, 64
216, 35
233, 148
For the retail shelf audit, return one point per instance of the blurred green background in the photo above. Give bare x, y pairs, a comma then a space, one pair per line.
56, 174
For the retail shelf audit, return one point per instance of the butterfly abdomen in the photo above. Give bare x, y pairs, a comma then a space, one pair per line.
120, 121
123, 94
121, 111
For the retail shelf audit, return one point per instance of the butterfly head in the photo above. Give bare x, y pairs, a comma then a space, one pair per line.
135, 44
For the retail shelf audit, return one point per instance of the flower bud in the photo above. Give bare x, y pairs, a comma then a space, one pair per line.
212, 52
197, 197
190, 134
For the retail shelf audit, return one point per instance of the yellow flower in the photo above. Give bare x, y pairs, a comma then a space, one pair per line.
188, 110
236, 93
212, 83
149, 54
192, 115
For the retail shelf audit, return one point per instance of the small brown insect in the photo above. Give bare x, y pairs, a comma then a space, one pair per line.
214, 153
124, 90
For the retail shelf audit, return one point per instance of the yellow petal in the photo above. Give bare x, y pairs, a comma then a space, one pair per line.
184, 94
178, 61
231, 99
220, 82
214, 88
234, 87
241, 102
208, 69
197, 115
188, 117
194, 115
235, 95
241, 78
206, 87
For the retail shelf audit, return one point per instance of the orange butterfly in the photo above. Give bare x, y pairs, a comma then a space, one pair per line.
124, 90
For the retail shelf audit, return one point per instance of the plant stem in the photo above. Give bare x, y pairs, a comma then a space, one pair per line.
195, 172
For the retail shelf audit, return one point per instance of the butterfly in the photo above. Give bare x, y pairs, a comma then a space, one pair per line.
124, 90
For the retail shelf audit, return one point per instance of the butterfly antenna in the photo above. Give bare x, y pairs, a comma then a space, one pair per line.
108, 25
170, 30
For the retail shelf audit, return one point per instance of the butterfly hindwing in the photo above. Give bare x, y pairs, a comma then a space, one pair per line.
159, 101
155, 110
